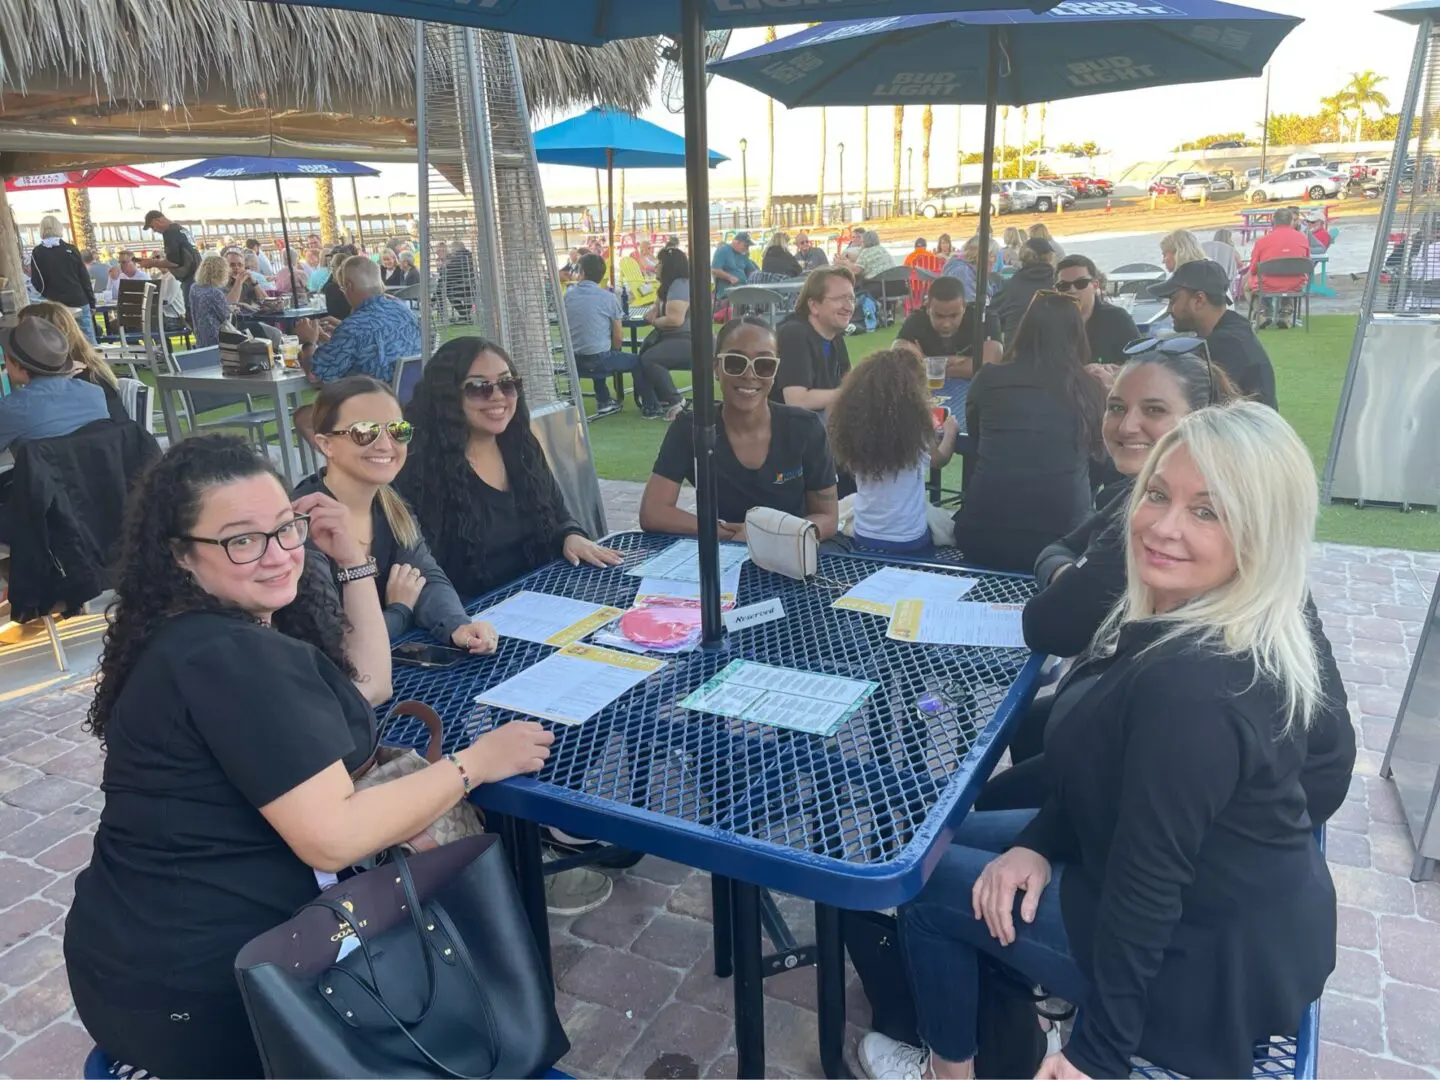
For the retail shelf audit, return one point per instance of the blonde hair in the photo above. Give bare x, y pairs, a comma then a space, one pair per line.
1263, 484
1224, 236
971, 251
214, 270
817, 283
1040, 231
1012, 237
779, 239
50, 227
76, 344
1182, 244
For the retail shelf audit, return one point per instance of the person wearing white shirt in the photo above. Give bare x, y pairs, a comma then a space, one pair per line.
172, 302
252, 245
129, 270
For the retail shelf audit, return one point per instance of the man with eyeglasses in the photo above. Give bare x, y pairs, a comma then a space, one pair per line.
811, 344
1199, 304
811, 255
1108, 328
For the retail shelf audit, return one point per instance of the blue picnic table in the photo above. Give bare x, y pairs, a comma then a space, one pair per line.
854, 821
953, 397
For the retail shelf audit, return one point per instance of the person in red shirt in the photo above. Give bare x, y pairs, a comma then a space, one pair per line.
1284, 241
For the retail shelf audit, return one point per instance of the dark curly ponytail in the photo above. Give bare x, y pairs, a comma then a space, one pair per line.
151, 586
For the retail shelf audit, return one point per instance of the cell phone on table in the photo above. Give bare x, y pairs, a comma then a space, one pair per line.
426, 654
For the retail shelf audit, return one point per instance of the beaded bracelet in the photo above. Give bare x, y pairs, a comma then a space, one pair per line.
464, 776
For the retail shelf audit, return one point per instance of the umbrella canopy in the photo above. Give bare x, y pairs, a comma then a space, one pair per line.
116, 176
609, 138
1074, 50
268, 168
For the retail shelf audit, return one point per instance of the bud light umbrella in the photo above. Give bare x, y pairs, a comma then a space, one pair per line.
609, 139
1075, 49
594, 22
271, 168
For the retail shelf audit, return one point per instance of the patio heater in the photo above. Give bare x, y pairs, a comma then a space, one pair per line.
480, 197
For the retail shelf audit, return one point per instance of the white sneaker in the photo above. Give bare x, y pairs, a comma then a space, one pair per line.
884, 1058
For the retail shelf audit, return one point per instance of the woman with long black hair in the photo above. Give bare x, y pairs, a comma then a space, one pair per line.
1036, 419
477, 479
667, 348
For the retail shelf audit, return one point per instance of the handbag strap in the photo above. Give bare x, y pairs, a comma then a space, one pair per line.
434, 749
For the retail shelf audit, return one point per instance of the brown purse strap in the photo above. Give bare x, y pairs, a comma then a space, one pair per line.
434, 749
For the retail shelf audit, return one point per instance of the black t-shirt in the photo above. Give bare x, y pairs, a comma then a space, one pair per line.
807, 360
180, 250
799, 461
337, 305
919, 329
1235, 348
1109, 330
219, 717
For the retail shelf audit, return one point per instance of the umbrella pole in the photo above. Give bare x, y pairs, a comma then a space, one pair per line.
359, 225
987, 187
697, 176
610, 216
289, 257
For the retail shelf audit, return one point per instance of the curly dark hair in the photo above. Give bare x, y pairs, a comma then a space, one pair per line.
880, 423
151, 586
437, 475
1051, 341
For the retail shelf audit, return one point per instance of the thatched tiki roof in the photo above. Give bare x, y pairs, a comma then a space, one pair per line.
95, 82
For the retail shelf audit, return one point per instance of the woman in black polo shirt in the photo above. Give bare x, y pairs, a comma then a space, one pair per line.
766, 454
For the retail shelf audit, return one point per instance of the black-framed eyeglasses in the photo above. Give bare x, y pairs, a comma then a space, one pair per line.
1074, 283
365, 432
737, 365
250, 547
1179, 345
484, 389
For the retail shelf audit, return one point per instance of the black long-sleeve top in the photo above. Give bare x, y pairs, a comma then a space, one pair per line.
58, 273
777, 260
1195, 897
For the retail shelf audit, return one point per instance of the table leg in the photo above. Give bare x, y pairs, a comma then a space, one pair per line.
286, 434
935, 491
172, 421
720, 914
749, 981
830, 990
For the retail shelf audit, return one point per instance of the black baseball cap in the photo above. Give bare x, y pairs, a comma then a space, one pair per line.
1205, 276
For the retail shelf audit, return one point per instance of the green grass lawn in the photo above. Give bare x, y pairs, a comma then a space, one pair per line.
1309, 370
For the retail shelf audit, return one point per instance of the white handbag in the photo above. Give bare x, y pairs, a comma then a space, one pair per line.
782, 543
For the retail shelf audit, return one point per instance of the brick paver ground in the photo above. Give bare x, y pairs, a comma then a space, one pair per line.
636, 989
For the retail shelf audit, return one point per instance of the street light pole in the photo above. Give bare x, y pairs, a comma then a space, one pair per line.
841, 148
745, 181
910, 175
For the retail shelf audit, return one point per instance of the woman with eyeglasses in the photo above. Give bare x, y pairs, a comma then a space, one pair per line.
766, 454
1035, 417
236, 695
1171, 887
477, 479
364, 438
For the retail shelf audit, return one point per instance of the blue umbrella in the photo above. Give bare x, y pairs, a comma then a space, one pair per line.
270, 168
609, 139
1011, 58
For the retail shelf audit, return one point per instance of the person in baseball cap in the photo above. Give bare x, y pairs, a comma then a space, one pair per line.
1199, 303
46, 401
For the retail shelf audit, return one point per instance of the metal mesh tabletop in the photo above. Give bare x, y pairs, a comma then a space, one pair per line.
847, 820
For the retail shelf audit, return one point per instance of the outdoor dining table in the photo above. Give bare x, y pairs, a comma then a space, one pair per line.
283, 387
287, 318
854, 821
953, 397
1129, 277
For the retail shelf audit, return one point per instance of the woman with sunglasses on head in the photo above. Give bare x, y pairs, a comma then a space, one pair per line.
1172, 886
236, 695
477, 479
766, 454
363, 436
1035, 418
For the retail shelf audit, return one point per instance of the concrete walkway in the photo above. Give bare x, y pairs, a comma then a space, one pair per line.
636, 989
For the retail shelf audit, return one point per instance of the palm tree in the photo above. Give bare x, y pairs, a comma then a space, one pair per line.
78, 203
1363, 90
1004, 136
899, 139
770, 154
927, 121
1333, 110
865, 162
1042, 123
820, 187
325, 203
1024, 136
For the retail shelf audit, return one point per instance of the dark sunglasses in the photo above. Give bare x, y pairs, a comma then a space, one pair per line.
365, 432
1074, 283
737, 365
245, 548
484, 389
1179, 345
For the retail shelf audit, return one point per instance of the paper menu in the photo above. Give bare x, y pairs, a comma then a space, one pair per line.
571, 685
781, 697
661, 590
949, 622
681, 562
878, 593
546, 619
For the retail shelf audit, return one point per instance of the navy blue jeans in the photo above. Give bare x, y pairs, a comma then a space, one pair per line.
942, 940
598, 367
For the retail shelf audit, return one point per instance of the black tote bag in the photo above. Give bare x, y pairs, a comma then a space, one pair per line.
422, 967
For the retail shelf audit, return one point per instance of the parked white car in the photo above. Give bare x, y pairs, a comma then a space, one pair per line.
1194, 186
964, 199
1298, 184
1030, 194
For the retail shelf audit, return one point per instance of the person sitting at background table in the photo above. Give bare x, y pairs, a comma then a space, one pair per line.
778, 260
128, 269
290, 282
317, 270
378, 332
811, 255
252, 267
667, 346
870, 261
1037, 272
361, 433
337, 307
961, 265
236, 694
944, 246
1035, 420
1178, 248
645, 256
811, 344
243, 290
883, 433
1221, 248
945, 326
477, 479
86, 364
594, 317
1199, 303
210, 300
1041, 231
1173, 888
1108, 327
408, 267
731, 264
262, 261
766, 454
391, 275
45, 402
1010, 251
571, 270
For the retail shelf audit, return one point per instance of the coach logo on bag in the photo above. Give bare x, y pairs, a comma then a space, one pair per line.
344, 929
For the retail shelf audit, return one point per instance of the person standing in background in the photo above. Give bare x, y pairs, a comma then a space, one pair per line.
180, 258
59, 274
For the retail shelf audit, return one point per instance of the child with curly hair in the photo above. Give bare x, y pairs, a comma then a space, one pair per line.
883, 431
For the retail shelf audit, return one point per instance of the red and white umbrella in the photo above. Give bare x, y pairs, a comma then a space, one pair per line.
114, 176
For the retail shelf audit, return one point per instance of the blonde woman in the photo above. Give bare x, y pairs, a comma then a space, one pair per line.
778, 258
209, 300
1040, 231
962, 266
1193, 913
1180, 247
88, 365
58, 272
1010, 253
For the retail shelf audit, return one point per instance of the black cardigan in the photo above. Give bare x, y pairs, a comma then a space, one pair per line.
1195, 897
59, 274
